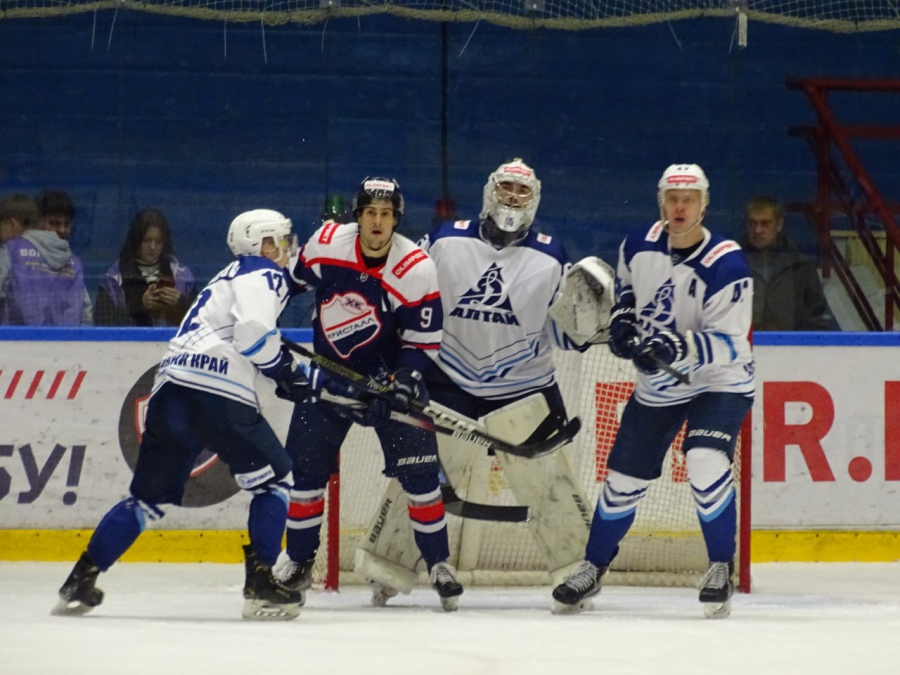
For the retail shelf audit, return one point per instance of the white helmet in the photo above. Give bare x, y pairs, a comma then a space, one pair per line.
247, 231
511, 208
684, 177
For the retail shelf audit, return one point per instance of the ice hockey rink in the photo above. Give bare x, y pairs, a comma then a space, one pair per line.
817, 618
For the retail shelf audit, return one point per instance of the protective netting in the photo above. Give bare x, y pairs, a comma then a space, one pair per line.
664, 546
842, 16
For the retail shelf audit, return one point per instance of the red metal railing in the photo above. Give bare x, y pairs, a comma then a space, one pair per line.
834, 196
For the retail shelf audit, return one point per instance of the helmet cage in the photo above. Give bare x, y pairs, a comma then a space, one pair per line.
511, 196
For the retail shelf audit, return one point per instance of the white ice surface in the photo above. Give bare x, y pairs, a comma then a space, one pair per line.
161, 619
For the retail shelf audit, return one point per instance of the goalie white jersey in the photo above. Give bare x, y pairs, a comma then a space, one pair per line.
497, 333
229, 332
709, 293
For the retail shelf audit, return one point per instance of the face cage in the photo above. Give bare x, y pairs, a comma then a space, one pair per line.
510, 217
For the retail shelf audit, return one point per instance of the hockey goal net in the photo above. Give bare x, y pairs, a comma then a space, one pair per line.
663, 548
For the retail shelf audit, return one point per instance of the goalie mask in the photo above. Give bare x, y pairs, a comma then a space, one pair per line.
379, 189
247, 232
684, 177
510, 202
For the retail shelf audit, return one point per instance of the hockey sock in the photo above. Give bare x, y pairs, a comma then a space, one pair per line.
614, 515
265, 524
712, 484
426, 515
119, 529
304, 520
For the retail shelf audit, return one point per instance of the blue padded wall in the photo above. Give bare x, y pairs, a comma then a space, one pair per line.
203, 119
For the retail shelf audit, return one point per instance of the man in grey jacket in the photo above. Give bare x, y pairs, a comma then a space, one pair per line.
41, 282
787, 291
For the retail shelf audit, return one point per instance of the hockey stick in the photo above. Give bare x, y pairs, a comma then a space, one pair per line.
453, 503
683, 378
441, 419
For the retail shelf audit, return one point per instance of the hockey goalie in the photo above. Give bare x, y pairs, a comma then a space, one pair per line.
509, 294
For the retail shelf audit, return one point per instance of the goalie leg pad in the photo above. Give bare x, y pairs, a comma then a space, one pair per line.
387, 553
560, 515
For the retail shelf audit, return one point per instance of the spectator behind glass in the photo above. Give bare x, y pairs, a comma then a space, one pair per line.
41, 282
16, 213
146, 286
787, 291
57, 212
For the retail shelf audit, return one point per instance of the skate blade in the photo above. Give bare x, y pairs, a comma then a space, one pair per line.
260, 610
71, 608
563, 609
450, 604
717, 610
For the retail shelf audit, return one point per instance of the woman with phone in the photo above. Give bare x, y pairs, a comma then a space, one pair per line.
147, 285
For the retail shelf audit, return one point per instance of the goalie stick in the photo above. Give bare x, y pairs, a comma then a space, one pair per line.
453, 503
441, 419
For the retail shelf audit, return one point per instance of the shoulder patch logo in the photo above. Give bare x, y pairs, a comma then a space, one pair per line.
408, 261
656, 231
327, 233
718, 251
461, 224
544, 238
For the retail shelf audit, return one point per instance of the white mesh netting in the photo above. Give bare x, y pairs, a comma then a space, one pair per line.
845, 16
664, 547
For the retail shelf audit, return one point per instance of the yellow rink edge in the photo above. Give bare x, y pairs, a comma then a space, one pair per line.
224, 546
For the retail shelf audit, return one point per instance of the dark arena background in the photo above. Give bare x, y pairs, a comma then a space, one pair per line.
206, 109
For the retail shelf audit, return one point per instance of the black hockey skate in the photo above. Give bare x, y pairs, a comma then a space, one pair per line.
295, 576
443, 580
78, 594
574, 594
716, 589
266, 598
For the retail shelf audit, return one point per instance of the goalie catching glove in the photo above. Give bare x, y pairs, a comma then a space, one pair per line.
582, 309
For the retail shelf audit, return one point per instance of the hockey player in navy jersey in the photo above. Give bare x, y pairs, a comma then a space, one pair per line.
683, 301
378, 312
498, 278
204, 397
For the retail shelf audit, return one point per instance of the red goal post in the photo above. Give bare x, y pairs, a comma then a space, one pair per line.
663, 548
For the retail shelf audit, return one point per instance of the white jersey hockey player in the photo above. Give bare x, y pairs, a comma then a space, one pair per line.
204, 398
683, 303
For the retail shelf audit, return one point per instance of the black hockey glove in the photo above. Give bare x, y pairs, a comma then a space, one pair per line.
291, 381
623, 332
376, 413
405, 387
666, 346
